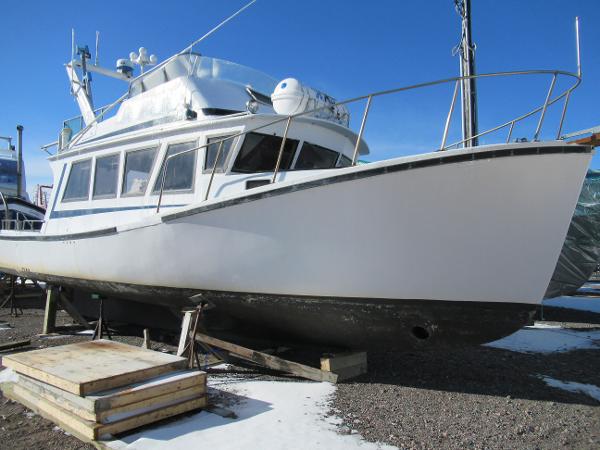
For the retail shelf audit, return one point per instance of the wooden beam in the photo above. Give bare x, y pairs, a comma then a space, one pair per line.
593, 140
50, 312
186, 323
14, 344
270, 361
72, 311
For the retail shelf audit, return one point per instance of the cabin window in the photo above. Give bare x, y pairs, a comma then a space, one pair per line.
344, 161
211, 153
8, 175
138, 166
78, 185
180, 169
106, 176
314, 156
259, 153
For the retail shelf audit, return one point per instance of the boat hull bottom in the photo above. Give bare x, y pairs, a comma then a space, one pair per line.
376, 324
355, 323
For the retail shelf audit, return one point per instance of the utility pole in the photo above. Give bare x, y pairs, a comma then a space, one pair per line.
466, 52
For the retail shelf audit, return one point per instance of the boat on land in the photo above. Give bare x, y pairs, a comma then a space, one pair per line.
15, 208
581, 251
214, 183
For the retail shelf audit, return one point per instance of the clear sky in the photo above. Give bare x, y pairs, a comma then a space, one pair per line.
345, 48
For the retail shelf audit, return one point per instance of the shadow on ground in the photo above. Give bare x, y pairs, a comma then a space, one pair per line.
488, 371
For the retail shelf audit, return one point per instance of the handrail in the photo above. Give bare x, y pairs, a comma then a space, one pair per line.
548, 102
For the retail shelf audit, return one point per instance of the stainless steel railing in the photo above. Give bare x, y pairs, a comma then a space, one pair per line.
369, 99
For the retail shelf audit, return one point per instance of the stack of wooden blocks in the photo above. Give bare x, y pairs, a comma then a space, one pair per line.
99, 388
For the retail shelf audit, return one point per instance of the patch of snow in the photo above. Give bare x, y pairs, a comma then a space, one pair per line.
5, 326
8, 376
544, 339
543, 326
579, 303
270, 415
86, 332
572, 386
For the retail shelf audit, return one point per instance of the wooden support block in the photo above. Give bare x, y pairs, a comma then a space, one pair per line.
72, 311
50, 312
98, 407
90, 431
345, 365
146, 341
270, 361
186, 324
93, 366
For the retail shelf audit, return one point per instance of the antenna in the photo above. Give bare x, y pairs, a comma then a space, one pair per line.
239, 11
97, 42
142, 59
189, 47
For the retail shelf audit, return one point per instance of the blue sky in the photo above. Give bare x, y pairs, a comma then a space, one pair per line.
345, 48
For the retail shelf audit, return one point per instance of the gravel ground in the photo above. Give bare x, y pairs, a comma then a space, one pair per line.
473, 398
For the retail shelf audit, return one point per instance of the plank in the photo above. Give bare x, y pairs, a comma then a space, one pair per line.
14, 344
90, 431
93, 366
98, 407
270, 361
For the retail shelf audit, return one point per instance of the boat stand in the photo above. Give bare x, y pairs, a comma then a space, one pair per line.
334, 368
55, 298
101, 324
15, 309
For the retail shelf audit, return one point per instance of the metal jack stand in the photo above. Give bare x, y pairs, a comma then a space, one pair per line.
101, 325
15, 310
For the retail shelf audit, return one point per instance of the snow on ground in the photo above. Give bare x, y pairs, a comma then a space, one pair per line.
546, 339
571, 386
271, 415
580, 303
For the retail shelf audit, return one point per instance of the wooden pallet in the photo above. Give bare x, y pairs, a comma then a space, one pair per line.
101, 406
93, 366
88, 430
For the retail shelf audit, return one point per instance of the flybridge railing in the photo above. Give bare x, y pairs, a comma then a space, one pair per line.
542, 109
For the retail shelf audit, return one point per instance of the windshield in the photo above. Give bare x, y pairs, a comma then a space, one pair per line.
220, 69
8, 176
204, 67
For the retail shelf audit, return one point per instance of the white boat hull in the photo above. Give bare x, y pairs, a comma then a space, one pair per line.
486, 231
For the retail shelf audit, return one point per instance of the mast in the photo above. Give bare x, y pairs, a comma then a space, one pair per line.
466, 52
20, 193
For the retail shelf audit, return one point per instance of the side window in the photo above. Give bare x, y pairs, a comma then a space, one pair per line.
259, 153
344, 161
78, 186
180, 171
211, 154
315, 157
138, 166
106, 176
